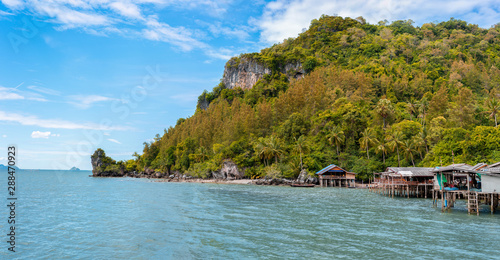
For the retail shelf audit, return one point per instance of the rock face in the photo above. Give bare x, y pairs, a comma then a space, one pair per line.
245, 72
229, 171
306, 178
101, 165
97, 161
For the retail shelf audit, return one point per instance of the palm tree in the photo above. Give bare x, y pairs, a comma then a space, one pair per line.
336, 137
301, 146
382, 148
409, 150
419, 144
422, 107
412, 108
493, 108
274, 148
395, 140
384, 109
262, 149
367, 139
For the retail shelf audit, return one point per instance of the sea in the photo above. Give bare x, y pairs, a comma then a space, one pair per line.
69, 215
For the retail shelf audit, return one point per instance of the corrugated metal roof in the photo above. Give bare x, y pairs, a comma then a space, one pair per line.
329, 168
479, 166
495, 165
460, 167
411, 171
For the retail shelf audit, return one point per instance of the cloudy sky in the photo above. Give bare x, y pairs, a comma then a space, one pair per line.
76, 75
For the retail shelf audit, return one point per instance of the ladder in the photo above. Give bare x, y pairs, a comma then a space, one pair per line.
473, 205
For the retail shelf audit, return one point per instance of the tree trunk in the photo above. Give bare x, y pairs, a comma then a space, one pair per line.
383, 156
399, 163
367, 154
338, 154
496, 120
300, 161
412, 162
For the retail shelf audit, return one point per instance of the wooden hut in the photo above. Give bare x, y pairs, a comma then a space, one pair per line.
458, 181
334, 176
404, 182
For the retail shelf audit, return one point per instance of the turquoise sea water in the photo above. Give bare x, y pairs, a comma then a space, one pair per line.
68, 215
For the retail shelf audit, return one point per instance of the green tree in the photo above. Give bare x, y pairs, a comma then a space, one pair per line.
301, 146
395, 141
493, 107
336, 137
384, 109
367, 139
382, 148
409, 150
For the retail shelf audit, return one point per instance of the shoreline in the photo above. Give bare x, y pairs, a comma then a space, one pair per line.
222, 181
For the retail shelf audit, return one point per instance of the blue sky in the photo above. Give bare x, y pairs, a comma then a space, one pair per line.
76, 75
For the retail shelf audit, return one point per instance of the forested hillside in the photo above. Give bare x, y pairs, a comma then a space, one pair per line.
372, 96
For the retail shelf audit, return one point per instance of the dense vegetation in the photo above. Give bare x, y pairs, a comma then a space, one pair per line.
373, 96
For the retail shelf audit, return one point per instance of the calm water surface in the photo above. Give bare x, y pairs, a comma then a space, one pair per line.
68, 215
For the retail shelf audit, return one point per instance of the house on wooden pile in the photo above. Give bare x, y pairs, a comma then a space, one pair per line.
458, 181
490, 178
404, 182
334, 176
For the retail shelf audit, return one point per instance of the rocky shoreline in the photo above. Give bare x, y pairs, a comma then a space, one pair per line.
228, 174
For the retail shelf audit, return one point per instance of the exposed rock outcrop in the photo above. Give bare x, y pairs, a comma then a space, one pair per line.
306, 178
229, 171
103, 166
244, 72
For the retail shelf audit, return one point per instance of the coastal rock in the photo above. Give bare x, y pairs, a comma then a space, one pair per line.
304, 177
229, 171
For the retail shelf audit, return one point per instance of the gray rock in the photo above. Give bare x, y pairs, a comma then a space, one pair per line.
245, 72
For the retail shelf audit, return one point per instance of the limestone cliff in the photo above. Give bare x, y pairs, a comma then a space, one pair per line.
245, 71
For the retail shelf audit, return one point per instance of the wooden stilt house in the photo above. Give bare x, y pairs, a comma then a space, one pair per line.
404, 182
334, 176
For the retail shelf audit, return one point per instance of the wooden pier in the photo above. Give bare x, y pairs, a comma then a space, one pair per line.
416, 182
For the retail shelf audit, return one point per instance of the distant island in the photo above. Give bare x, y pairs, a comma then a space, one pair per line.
4, 167
74, 169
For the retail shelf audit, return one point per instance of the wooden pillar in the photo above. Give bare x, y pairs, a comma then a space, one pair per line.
408, 190
442, 200
425, 187
492, 208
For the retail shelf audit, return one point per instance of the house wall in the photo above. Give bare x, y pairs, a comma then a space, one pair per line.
490, 183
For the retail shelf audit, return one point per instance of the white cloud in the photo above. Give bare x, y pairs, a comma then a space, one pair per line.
38, 134
15, 94
85, 102
126, 9
114, 141
8, 94
4, 136
3, 13
283, 19
178, 36
55, 123
44, 90
129, 19
13, 4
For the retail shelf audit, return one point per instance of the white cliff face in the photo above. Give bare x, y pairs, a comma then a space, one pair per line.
243, 74
246, 72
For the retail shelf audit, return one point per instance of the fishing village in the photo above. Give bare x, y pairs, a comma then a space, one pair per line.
478, 185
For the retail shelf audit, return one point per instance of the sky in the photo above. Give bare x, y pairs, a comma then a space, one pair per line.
77, 75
